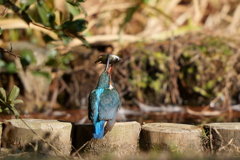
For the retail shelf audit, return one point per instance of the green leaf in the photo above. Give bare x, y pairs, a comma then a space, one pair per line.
3, 94
81, 24
52, 62
17, 101
75, 7
73, 27
66, 24
24, 5
201, 91
67, 58
48, 38
84, 41
3, 2
66, 39
51, 19
2, 63
210, 84
45, 14
25, 17
27, 57
6, 106
71, 17
13, 110
72, 7
0, 28
40, 2
11, 68
83, 10
13, 94
129, 15
190, 70
44, 74
52, 54
81, 0
75, 4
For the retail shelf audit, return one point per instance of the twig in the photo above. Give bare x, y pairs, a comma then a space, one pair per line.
203, 113
77, 91
34, 147
4, 12
219, 136
173, 69
223, 147
55, 93
74, 154
41, 26
9, 52
211, 139
79, 149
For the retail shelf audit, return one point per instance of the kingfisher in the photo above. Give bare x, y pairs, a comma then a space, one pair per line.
104, 102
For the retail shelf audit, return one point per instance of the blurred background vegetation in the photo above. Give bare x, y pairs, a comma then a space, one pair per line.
174, 52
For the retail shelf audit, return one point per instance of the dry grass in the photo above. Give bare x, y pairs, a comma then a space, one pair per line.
111, 21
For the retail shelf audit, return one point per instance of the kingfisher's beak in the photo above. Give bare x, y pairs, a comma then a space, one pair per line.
107, 64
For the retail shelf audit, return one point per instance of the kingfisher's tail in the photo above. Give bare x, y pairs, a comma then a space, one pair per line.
98, 130
110, 124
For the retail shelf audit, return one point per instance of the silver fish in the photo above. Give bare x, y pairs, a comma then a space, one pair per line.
103, 59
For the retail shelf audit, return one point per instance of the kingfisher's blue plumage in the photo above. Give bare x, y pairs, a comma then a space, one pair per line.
103, 105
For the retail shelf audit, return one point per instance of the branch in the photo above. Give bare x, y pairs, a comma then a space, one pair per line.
9, 51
